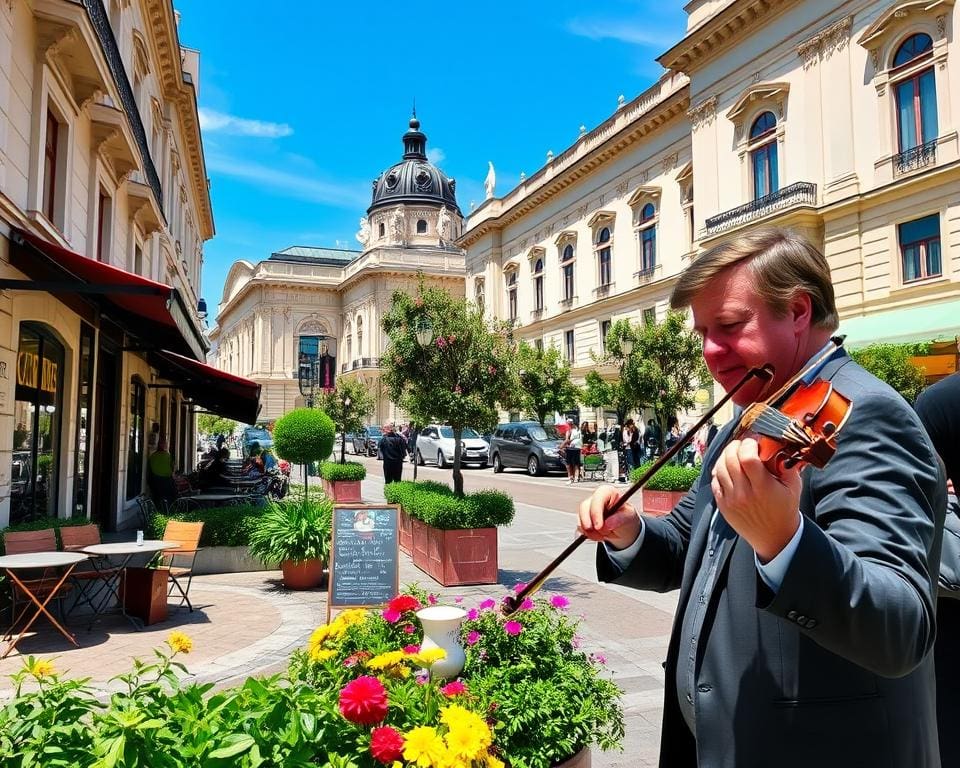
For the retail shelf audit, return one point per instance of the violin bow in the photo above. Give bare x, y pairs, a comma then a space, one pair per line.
512, 603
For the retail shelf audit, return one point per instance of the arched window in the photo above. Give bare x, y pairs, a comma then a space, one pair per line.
763, 155
648, 238
538, 285
604, 261
566, 272
421, 227
382, 229
359, 336
348, 343
512, 295
916, 94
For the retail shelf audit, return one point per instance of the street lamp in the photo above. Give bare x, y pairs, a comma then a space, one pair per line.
626, 345
343, 429
424, 332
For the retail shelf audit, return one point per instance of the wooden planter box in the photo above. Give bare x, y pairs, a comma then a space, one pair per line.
406, 533
347, 491
144, 594
456, 558
660, 503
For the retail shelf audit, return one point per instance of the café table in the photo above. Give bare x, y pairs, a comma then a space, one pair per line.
34, 561
117, 556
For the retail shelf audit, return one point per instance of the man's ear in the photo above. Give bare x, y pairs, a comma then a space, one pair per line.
800, 311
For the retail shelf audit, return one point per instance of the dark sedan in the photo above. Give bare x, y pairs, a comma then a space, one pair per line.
367, 440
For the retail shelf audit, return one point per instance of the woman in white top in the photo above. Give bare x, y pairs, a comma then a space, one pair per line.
572, 443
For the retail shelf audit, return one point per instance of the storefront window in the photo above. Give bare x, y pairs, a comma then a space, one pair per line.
36, 436
84, 412
135, 439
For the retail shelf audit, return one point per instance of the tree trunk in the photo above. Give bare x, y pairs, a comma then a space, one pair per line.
306, 480
343, 446
457, 474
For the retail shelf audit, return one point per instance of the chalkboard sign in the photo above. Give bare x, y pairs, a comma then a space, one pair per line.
364, 556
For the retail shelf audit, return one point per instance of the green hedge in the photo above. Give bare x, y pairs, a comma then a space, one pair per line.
351, 470
222, 526
435, 504
43, 522
669, 478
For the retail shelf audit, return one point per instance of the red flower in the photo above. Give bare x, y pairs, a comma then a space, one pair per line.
364, 701
454, 688
386, 745
403, 603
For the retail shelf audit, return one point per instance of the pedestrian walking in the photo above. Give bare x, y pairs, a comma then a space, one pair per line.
393, 450
571, 445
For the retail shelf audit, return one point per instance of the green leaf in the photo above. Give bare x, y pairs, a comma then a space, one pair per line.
234, 744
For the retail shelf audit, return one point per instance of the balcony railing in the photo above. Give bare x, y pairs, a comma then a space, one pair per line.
603, 289
916, 157
536, 314
361, 362
101, 23
800, 193
647, 274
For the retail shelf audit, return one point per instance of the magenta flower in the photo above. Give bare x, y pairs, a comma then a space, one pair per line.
519, 587
456, 599
559, 601
441, 342
472, 614
432, 599
411, 649
513, 628
491, 370
454, 688
598, 657
409, 629
390, 615
472, 637
487, 604
526, 605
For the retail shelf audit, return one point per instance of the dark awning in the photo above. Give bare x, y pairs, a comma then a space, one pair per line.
216, 391
153, 312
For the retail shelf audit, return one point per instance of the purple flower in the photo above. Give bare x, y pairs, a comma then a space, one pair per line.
559, 601
526, 605
513, 628
472, 637
423, 677
575, 641
487, 604
473, 614
519, 587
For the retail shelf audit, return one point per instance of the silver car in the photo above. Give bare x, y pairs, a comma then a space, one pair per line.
435, 443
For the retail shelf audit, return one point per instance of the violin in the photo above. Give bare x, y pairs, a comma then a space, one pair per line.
797, 424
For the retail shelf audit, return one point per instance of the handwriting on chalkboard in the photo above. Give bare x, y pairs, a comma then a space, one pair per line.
364, 556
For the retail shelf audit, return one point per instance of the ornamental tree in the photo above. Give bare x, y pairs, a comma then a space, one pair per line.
601, 392
458, 375
303, 436
348, 404
544, 382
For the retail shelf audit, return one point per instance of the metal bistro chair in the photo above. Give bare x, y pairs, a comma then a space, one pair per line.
179, 562
26, 543
95, 579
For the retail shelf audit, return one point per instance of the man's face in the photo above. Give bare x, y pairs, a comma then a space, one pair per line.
740, 332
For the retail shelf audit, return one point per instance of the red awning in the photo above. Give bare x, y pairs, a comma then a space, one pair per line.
152, 311
217, 391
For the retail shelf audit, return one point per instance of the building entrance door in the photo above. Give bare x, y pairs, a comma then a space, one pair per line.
103, 496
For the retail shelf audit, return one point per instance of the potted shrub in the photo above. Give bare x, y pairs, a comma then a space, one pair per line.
453, 538
303, 436
341, 481
295, 534
665, 489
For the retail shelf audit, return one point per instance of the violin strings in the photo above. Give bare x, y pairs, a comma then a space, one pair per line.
773, 423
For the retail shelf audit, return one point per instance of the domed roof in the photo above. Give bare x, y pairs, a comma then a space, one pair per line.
414, 179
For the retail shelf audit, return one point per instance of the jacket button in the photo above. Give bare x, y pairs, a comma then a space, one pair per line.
689, 699
802, 620
704, 688
792, 615
811, 623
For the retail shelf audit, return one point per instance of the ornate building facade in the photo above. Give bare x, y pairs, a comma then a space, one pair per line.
838, 122
304, 303
104, 209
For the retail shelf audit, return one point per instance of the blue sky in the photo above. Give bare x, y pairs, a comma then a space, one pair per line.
301, 109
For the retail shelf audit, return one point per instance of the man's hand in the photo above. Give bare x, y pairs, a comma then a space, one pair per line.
619, 530
761, 507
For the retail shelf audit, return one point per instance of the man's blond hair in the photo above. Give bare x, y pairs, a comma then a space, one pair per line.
782, 265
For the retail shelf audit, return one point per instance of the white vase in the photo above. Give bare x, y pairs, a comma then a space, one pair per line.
441, 629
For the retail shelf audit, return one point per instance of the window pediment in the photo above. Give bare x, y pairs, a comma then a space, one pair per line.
775, 93
512, 265
890, 20
643, 195
565, 237
602, 218
537, 252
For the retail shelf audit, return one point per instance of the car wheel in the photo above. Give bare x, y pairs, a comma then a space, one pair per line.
441, 460
533, 466
419, 457
497, 464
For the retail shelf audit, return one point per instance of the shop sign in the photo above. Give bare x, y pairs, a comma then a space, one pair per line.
34, 371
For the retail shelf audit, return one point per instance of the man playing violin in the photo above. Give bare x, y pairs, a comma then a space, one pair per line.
805, 621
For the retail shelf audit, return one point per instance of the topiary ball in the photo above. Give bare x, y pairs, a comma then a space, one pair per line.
304, 435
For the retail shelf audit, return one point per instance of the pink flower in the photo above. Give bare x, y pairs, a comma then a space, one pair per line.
441, 342
411, 649
456, 599
559, 601
422, 678
432, 599
487, 604
526, 605
598, 657
491, 370
409, 629
458, 390
391, 615
386, 745
454, 689
575, 641
519, 587
472, 614
364, 701
513, 628
473, 637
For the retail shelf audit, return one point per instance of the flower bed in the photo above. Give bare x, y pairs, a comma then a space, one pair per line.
359, 694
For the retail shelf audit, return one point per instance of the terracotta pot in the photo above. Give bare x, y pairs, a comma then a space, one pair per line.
347, 491
456, 558
660, 503
579, 760
406, 533
302, 575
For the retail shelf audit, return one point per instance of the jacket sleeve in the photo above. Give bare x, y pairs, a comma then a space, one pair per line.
862, 582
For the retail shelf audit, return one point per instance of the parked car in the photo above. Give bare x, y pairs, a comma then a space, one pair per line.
435, 443
350, 437
367, 440
251, 435
526, 444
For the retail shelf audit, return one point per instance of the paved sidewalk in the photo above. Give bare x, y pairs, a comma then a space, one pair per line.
247, 623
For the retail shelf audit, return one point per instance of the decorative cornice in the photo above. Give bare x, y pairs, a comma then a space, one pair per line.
827, 41
703, 114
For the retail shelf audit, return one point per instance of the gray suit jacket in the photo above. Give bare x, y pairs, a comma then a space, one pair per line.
836, 668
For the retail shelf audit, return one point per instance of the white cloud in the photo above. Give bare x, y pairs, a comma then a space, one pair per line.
436, 155
213, 121
342, 195
626, 32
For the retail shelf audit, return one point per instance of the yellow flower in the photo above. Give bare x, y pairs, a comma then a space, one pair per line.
352, 616
468, 731
385, 660
493, 762
41, 668
428, 656
424, 747
322, 654
465, 743
179, 642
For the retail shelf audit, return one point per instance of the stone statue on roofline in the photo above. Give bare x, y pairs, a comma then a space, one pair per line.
397, 227
491, 181
443, 223
363, 236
